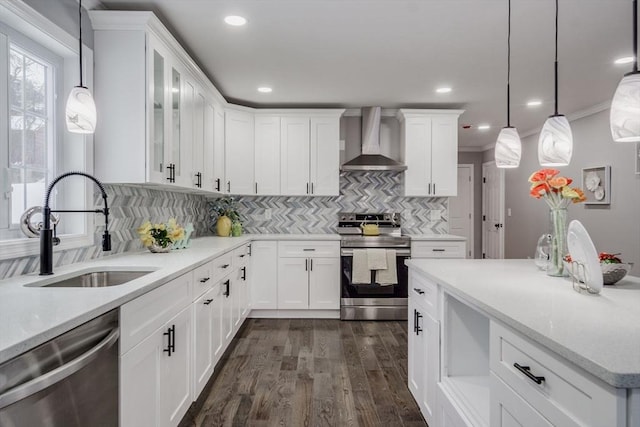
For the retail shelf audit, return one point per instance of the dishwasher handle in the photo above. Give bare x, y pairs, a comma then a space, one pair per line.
50, 378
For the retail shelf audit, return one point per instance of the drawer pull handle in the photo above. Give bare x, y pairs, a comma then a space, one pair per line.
224, 266
308, 250
419, 291
527, 371
208, 301
437, 250
241, 256
205, 279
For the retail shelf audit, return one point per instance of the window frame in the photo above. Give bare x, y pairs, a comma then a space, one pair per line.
74, 151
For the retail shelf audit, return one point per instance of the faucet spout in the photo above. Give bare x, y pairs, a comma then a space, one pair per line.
46, 233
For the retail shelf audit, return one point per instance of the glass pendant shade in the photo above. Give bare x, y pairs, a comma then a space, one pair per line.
81, 111
625, 110
508, 148
555, 145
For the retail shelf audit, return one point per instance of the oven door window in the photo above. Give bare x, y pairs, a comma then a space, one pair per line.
373, 289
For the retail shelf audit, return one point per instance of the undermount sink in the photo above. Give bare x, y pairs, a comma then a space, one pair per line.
94, 279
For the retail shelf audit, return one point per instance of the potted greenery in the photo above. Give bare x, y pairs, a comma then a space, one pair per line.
224, 215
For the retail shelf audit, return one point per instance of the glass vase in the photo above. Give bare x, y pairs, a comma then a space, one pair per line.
558, 249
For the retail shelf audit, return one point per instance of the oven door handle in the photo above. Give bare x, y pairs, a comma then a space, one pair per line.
399, 251
50, 378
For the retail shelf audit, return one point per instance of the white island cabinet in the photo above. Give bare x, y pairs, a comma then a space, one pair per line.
498, 343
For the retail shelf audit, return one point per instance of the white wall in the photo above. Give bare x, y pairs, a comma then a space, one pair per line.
613, 228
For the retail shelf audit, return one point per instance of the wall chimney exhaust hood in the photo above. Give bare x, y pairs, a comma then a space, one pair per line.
371, 159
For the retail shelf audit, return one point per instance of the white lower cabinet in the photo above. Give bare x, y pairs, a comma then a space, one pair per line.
508, 409
155, 376
264, 286
207, 312
306, 280
424, 356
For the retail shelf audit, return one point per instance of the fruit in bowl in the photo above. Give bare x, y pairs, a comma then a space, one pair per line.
613, 269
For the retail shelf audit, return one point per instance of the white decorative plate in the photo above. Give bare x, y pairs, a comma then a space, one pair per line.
592, 181
584, 252
599, 193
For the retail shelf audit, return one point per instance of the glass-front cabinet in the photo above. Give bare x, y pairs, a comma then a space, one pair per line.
157, 130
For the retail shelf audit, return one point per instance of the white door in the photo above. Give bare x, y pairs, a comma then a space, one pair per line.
325, 156
324, 283
492, 211
416, 354
267, 155
219, 183
198, 152
227, 311
294, 160
208, 149
175, 371
430, 367
264, 287
203, 311
417, 137
217, 333
461, 208
183, 125
293, 283
444, 153
239, 152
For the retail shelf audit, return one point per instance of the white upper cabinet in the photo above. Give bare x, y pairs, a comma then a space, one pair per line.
310, 154
150, 96
267, 155
218, 182
429, 141
239, 152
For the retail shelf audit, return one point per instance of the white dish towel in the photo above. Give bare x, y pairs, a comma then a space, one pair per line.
389, 275
377, 259
360, 272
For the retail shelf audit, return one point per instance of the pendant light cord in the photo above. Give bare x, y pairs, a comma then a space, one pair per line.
556, 63
80, 38
635, 35
509, 68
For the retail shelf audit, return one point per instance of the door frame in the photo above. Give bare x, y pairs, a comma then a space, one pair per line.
470, 244
501, 203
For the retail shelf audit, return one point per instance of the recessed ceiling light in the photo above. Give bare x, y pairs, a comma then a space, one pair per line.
443, 89
624, 60
534, 103
484, 127
235, 20
265, 89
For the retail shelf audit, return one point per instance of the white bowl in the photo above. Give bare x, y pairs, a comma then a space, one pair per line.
611, 272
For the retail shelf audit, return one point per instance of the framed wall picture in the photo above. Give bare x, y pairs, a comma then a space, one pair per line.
596, 184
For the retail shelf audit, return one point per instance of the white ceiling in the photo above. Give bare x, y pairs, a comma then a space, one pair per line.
394, 53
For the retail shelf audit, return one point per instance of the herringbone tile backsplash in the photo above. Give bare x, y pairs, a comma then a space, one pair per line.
359, 192
130, 206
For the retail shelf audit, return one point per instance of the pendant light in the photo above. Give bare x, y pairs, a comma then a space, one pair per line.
81, 109
508, 148
625, 107
555, 145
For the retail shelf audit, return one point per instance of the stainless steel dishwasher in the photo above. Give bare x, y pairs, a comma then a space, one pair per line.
70, 381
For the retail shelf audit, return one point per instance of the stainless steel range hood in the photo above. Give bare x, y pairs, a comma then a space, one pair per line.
371, 159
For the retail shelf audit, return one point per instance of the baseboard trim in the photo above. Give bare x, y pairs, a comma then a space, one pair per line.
294, 314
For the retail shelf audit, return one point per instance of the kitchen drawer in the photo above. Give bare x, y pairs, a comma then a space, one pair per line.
438, 249
568, 395
509, 409
309, 249
425, 291
142, 316
202, 279
222, 265
240, 256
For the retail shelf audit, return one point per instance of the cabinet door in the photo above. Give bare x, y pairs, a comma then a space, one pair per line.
158, 120
218, 150
208, 148
198, 151
182, 126
415, 354
139, 383
264, 278
324, 283
508, 409
217, 329
294, 160
227, 311
246, 288
203, 335
444, 156
325, 156
293, 283
239, 151
430, 351
417, 139
267, 155
175, 371
239, 296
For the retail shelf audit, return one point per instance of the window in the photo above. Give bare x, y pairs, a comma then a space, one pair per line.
38, 68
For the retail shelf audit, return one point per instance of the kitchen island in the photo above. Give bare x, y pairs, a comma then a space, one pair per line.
577, 354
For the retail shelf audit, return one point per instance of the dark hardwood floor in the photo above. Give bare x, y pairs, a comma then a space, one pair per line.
304, 372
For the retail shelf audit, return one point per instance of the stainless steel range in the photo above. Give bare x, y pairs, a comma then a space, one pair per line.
372, 300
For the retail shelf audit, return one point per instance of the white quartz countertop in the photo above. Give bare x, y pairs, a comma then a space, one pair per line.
437, 237
30, 316
600, 333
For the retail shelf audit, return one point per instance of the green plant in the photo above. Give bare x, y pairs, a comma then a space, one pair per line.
224, 206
